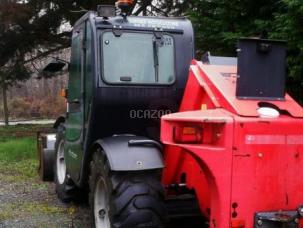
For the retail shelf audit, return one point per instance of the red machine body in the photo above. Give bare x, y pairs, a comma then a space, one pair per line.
246, 170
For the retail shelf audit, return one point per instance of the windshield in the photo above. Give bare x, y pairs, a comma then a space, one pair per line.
137, 58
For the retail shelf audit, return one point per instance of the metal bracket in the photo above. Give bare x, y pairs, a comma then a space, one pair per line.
287, 219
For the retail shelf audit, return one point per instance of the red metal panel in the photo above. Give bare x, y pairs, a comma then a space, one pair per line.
246, 164
224, 90
267, 166
208, 166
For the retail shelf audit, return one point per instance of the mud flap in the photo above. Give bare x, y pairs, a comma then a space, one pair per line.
46, 154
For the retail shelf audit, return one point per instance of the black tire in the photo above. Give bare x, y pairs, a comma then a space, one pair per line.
65, 190
136, 199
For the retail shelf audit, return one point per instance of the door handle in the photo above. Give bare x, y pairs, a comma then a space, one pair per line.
144, 142
75, 101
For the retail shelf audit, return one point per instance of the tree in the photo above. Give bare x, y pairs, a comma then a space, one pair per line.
11, 54
30, 30
288, 26
220, 23
22, 30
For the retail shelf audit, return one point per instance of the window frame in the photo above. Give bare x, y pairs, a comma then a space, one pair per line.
101, 62
75, 108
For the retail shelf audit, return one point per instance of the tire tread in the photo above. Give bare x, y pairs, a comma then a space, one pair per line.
137, 198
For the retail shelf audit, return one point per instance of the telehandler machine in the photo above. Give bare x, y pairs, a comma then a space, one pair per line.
232, 154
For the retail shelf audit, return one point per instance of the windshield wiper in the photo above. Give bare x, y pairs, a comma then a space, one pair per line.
156, 58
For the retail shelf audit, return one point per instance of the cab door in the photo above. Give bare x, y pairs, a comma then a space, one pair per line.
74, 122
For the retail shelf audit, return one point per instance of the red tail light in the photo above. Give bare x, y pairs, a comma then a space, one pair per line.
188, 134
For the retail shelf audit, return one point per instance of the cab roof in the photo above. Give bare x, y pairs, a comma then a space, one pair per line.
165, 24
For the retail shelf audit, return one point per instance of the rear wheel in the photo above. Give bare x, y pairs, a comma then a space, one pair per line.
125, 199
65, 188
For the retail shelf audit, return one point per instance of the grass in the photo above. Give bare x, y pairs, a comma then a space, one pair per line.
18, 155
18, 174
15, 150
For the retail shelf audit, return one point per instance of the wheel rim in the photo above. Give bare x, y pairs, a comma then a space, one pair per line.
61, 166
101, 208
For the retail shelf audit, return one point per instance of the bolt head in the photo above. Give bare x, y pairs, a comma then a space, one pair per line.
139, 163
102, 213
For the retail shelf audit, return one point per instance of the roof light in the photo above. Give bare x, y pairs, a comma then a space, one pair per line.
125, 2
124, 5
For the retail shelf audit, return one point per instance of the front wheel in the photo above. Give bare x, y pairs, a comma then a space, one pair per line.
65, 188
125, 199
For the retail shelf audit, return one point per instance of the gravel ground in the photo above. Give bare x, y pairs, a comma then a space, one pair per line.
26, 202
34, 204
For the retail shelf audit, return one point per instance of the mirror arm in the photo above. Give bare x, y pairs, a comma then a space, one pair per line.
61, 60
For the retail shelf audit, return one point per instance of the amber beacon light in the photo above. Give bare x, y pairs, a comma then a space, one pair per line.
125, 6
125, 3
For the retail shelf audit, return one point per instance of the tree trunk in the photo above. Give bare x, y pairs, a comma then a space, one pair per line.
5, 107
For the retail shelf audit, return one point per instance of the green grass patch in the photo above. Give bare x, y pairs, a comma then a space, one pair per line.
18, 149
18, 159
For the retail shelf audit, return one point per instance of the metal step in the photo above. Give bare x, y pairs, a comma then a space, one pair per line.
183, 206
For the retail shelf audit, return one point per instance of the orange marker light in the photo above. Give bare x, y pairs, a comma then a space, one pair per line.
63, 93
204, 107
188, 134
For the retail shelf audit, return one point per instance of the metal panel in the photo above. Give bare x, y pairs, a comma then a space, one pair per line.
261, 69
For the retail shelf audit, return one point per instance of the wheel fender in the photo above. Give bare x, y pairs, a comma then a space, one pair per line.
60, 119
123, 156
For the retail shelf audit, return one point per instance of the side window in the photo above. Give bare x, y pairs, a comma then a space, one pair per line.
88, 77
74, 83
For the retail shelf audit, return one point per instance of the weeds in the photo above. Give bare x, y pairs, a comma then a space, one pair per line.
9, 211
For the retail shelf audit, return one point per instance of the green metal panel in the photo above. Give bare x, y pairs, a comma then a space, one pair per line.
88, 74
73, 127
74, 83
74, 121
80, 90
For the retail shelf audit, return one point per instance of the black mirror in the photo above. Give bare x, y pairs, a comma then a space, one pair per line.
54, 66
